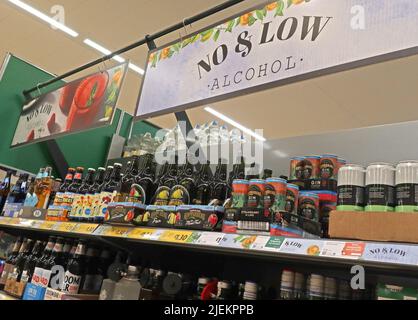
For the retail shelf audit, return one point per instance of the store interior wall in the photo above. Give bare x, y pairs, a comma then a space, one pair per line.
88, 149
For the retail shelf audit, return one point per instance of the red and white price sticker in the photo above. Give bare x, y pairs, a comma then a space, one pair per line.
343, 250
210, 238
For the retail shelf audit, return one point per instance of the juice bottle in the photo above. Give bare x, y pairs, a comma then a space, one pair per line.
72, 195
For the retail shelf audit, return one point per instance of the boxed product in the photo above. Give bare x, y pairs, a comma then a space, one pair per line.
12, 210
34, 292
33, 213
58, 213
374, 226
391, 292
159, 216
53, 295
122, 213
197, 217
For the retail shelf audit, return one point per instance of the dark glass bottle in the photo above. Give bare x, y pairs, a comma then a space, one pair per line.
220, 185
184, 192
29, 266
168, 181
145, 180
9, 263
75, 270
60, 199
267, 174
50, 279
72, 192
109, 191
83, 192
92, 276
129, 179
204, 186
93, 195
4, 190
21, 258
41, 262
18, 192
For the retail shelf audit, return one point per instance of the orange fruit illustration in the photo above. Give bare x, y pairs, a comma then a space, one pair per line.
272, 6
165, 53
297, 1
245, 19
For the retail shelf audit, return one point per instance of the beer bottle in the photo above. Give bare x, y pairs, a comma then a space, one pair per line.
75, 270
145, 180
18, 192
204, 186
183, 193
97, 217
109, 191
9, 263
66, 251
43, 189
267, 174
93, 195
60, 199
29, 267
24, 253
31, 200
92, 276
83, 192
168, 181
129, 179
72, 192
104, 262
54, 267
220, 185
42, 261
4, 190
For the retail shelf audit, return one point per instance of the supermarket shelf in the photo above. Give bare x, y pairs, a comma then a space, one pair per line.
389, 257
5, 297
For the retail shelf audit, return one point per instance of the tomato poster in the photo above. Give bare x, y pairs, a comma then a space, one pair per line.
79, 105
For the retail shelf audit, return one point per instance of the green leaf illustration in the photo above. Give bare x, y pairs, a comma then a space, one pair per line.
92, 95
260, 15
280, 8
231, 24
195, 38
176, 47
264, 12
251, 20
238, 21
170, 53
217, 34
289, 3
206, 35
186, 42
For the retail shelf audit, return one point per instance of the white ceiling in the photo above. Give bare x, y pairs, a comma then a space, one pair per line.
379, 94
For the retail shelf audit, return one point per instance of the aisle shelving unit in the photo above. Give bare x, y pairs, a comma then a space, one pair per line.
385, 258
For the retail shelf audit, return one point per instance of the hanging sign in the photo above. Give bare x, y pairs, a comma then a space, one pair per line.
80, 105
275, 44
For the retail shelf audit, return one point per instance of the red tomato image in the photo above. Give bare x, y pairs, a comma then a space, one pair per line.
107, 216
67, 97
178, 217
51, 123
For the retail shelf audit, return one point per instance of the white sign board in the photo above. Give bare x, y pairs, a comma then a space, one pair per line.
275, 44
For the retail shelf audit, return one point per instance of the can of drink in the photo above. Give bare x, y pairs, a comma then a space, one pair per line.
406, 186
380, 188
292, 199
311, 168
351, 185
329, 167
275, 194
296, 168
309, 206
256, 193
239, 193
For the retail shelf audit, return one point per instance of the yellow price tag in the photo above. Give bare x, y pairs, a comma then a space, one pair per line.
176, 236
47, 225
14, 221
65, 226
5, 220
120, 232
140, 233
85, 228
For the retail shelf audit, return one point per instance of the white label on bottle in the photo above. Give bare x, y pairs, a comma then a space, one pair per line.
37, 275
25, 277
71, 283
46, 276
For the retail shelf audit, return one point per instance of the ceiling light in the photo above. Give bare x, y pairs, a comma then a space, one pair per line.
136, 69
102, 49
235, 124
44, 17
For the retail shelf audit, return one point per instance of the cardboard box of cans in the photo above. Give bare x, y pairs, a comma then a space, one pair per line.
193, 217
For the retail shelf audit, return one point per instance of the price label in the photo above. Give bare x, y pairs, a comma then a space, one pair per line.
14, 221
344, 250
47, 225
176, 236
85, 228
36, 224
265, 243
5, 220
65, 226
27, 223
210, 238
391, 253
139, 233
120, 232
301, 246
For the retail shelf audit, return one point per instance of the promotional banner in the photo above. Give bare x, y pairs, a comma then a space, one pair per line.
275, 44
80, 105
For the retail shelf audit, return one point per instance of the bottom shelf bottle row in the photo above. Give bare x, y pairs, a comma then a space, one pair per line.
60, 269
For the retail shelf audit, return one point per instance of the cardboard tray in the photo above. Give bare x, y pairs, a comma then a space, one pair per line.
374, 226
